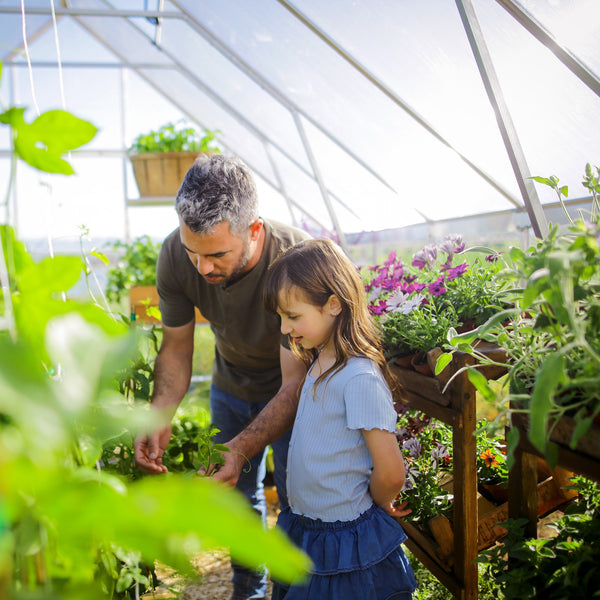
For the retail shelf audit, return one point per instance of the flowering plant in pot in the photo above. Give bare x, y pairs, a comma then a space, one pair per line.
417, 304
426, 445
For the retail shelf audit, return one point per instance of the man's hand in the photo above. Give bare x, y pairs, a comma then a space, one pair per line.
229, 472
149, 449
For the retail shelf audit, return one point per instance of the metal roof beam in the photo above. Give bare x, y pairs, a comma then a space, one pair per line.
574, 64
505, 123
273, 91
92, 12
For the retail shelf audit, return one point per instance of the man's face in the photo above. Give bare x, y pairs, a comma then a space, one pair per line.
220, 257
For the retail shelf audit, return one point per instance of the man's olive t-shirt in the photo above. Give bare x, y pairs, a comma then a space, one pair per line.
247, 338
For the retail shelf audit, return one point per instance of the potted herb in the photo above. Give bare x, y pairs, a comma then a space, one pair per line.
552, 336
161, 158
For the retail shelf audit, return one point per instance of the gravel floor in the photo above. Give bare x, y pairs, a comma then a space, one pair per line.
214, 573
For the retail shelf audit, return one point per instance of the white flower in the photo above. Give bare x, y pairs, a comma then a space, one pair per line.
404, 303
374, 294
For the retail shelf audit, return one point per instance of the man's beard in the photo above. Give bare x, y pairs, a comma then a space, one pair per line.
244, 260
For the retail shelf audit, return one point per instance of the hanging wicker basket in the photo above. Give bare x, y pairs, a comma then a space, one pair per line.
161, 173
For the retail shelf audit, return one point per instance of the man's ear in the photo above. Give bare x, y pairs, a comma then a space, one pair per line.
255, 229
334, 306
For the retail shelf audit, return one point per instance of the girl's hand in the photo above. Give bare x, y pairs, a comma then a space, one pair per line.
397, 510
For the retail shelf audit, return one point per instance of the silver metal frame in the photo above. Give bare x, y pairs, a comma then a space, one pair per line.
476, 39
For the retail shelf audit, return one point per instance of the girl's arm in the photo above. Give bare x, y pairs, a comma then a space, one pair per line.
388, 473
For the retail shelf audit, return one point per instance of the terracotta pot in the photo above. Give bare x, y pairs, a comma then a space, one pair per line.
404, 361
468, 325
419, 363
495, 492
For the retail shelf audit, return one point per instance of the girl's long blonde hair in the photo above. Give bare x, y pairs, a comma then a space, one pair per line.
319, 268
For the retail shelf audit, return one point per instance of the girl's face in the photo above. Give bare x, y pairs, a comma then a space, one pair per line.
308, 325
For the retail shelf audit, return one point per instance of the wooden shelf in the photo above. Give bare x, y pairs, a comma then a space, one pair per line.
456, 407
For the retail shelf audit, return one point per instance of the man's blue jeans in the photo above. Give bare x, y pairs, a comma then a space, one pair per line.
231, 415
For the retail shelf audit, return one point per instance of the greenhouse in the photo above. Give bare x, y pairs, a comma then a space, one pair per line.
448, 148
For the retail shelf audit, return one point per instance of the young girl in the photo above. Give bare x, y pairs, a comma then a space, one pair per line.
344, 464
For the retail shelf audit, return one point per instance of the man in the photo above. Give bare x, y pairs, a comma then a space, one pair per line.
217, 260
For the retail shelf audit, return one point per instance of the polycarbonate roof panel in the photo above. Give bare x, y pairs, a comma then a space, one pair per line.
232, 85
556, 116
80, 47
339, 100
420, 142
11, 31
85, 96
203, 110
419, 52
130, 44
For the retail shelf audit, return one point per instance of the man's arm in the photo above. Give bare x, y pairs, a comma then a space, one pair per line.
271, 423
172, 375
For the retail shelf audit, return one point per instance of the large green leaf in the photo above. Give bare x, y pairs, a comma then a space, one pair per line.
42, 143
168, 518
550, 374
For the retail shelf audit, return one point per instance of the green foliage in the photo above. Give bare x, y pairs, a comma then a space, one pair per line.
68, 529
136, 266
417, 304
560, 568
426, 446
492, 466
552, 335
175, 137
419, 330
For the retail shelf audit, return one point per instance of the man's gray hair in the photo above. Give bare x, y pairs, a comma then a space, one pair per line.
217, 188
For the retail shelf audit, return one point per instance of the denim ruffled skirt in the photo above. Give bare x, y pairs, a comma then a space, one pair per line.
360, 559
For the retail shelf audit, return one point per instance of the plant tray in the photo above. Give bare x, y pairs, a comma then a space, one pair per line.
161, 173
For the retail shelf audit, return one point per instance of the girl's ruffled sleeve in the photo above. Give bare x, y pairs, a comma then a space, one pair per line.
369, 403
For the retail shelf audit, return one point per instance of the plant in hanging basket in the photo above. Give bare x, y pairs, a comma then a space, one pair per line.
161, 157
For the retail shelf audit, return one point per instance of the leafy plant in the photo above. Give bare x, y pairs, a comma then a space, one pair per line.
136, 266
552, 335
492, 467
559, 568
175, 137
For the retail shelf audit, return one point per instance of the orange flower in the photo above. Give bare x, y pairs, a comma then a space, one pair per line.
490, 458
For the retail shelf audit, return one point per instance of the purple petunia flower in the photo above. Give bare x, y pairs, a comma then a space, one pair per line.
425, 257
457, 271
413, 446
439, 453
437, 287
391, 259
378, 309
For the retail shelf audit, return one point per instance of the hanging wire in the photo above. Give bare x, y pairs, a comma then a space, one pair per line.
59, 60
26, 48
